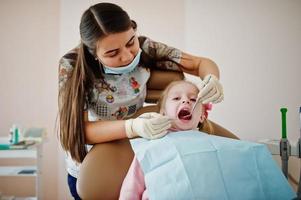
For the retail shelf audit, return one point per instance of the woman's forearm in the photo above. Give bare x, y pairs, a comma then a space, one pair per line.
207, 66
104, 131
198, 66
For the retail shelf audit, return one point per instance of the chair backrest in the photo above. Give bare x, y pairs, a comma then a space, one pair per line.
105, 166
158, 81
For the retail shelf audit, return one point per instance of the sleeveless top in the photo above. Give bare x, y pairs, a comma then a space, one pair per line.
116, 97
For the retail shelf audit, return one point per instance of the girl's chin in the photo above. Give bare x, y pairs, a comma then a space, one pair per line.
182, 126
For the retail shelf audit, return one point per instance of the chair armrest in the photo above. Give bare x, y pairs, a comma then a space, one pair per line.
145, 109
221, 131
157, 82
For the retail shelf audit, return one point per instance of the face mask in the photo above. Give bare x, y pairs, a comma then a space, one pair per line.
126, 69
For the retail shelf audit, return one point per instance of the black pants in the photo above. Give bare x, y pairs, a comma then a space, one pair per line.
72, 187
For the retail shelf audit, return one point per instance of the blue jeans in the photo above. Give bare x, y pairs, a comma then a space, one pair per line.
72, 187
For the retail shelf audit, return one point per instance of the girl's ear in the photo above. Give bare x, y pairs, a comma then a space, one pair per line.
202, 118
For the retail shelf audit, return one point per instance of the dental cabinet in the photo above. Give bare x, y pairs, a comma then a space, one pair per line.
14, 175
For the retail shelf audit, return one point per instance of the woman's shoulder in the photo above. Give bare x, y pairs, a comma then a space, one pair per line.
155, 48
66, 65
142, 39
146, 42
159, 54
70, 57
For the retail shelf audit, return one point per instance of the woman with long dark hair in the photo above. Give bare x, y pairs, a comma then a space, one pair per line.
103, 83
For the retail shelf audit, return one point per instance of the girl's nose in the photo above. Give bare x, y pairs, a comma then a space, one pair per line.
186, 101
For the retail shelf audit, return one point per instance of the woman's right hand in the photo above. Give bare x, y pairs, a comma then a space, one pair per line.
148, 125
211, 90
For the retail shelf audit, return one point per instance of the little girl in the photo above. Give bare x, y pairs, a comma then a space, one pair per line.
176, 102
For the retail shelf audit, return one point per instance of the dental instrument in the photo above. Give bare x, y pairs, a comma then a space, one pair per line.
299, 146
196, 102
299, 142
284, 144
285, 149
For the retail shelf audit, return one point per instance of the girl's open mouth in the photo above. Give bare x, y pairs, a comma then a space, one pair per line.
184, 114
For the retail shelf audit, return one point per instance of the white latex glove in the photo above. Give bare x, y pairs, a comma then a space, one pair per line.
211, 90
148, 125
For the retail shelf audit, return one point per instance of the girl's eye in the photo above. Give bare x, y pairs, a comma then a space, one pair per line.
193, 99
176, 98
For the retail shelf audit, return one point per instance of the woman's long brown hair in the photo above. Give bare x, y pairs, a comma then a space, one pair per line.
71, 102
98, 21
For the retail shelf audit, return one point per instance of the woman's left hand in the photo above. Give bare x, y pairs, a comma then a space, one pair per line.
211, 90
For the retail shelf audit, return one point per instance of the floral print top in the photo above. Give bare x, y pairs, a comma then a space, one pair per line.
120, 96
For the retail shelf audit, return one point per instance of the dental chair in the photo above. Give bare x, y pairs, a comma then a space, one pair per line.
106, 165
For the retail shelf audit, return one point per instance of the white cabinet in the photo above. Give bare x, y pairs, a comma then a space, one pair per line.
32, 152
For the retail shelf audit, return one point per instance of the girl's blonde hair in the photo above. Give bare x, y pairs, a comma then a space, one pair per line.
206, 126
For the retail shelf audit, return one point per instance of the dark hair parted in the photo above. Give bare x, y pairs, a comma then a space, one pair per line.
97, 22
101, 20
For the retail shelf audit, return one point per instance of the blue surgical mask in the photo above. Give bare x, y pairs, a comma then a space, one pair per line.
125, 69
